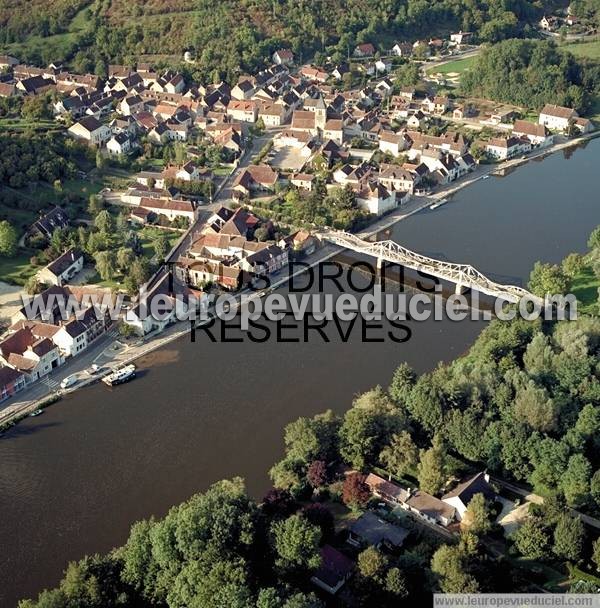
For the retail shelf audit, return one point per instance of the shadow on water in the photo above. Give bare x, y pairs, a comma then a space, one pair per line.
25, 430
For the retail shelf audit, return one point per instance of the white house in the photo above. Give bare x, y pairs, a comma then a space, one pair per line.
557, 118
62, 269
376, 198
508, 147
91, 130
537, 134
461, 496
119, 144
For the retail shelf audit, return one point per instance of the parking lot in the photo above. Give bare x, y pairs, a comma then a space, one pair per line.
287, 158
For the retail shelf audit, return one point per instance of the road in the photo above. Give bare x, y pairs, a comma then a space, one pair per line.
224, 194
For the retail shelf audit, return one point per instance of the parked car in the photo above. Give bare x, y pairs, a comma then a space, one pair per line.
68, 381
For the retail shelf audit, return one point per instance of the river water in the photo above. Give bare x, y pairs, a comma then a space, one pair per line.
73, 480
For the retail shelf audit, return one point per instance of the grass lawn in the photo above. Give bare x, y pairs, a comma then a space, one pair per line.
148, 234
17, 270
21, 124
458, 66
585, 289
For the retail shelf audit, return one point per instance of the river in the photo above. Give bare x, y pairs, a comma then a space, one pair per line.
73, 480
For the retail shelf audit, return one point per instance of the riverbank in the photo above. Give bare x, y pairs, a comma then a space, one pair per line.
119, 353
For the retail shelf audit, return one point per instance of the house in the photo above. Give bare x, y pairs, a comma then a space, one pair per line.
430, 508
334, 571
549, 24
255, 177
131, 105
30, 355
397, 178
265, 261
11, 381
375, 198
537, 134
80, 331
90, 130
35, 85
48, 223
201, 272
402, 49
392, 143
243, 110
557, 118
461, 38
583, 125
240, 223
303, 181
283, 57
502, 148
386, 490
334, 130
119, 144
6, 61
364, 50
170, 208
7, 89
340, 70
62, 269
370, 530
416, 120
461, 496
243, 90
311, 73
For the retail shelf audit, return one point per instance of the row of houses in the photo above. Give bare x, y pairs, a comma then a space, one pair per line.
38, 342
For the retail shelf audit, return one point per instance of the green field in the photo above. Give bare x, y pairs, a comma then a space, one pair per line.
584, 49
585, 289
457, 66
17, 270
58, 45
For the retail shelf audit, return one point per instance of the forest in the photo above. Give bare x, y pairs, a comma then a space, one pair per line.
232, 36
531, 73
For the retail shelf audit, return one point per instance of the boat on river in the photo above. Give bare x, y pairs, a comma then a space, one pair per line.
120, 376
438, 204
36, 413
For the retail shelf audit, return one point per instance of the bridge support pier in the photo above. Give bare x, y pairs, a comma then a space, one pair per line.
459, 289
380, 263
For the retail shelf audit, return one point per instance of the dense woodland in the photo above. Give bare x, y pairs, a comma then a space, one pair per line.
236, 35
531, 73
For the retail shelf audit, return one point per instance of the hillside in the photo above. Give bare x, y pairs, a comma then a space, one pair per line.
234, 35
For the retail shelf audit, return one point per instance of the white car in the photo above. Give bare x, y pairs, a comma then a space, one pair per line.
68, 381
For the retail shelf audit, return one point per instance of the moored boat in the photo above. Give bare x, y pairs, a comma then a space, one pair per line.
120, 376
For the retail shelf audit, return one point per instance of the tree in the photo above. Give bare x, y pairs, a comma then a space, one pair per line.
368, 426
104, 222
401, 456
548, 279
448, 566
596, 553
594, 239
532, 539
534, 407
161, 246
432, 468
403, 381
595, 486
356, 492
371, 563
319, 515
316, 474
105, 264
8, 239
125, 258
95, 205
296, 542
477, 518
310, 439
33, 286
569, 536
572, 265
576, 480
395, 583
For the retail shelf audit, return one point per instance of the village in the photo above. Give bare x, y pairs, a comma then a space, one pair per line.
298, 148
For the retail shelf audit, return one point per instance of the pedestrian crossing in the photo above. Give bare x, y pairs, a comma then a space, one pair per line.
52, 383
